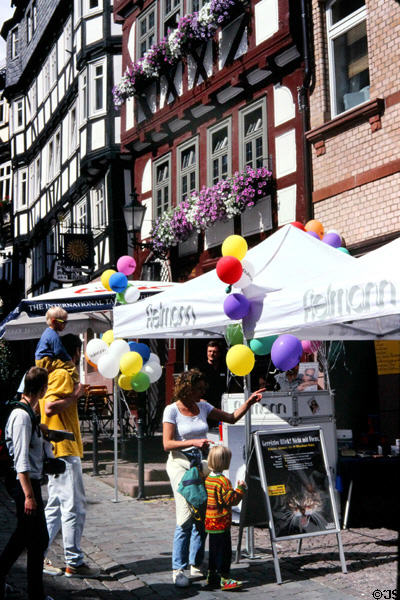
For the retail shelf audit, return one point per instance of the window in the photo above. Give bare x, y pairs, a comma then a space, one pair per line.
97, 100
29, 26
18, 115
22, 187
5, 182
92, 6
37, 177
187, 165
31, 182
32, 99
51, 248
50, 163
99, 209
84, 97
68, 39
196, 5
3, 110
14, 43
146, 31
348, 54
34, 16
171, 13
162, 186
253, 136
80, 217
57, 152
219, 152
73, 133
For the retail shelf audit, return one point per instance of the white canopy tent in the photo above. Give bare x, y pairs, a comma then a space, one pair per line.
195, 309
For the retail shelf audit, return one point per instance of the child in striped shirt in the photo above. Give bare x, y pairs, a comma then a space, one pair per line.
220, 498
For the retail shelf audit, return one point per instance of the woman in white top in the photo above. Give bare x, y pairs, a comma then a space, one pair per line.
184, 437
26, 446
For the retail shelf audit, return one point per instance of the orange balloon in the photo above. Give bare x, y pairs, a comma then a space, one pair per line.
316, 226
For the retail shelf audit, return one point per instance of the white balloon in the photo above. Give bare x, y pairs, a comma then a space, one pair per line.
118, 348
108, 365
95, 348
153, 370
131, 294
153, 358
247, 275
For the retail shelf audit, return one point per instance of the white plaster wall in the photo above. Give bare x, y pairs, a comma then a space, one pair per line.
146, 178
266, 19
131, 41
23, 224
83, 144
98, 134
148, 218
94, 30
287, 205
117, 126
284, 107
129, 111
117, 68
285, 150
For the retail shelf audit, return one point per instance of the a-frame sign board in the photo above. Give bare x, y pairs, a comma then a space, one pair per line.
290, 489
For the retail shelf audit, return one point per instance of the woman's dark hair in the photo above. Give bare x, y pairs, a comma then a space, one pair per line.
35, 380
71, 343
185, 382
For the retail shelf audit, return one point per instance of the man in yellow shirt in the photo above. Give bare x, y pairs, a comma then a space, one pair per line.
66, 505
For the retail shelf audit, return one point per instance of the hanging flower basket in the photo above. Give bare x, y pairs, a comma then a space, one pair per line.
201, 210
196, 27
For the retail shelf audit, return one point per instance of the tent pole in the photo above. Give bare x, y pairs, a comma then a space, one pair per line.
115, 441
185, 365
246, 390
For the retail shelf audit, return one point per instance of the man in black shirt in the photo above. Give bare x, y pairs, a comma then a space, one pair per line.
215, 371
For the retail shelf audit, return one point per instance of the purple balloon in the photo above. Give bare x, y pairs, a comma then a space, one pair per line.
332, 239
286, 352
314, 234
236, 306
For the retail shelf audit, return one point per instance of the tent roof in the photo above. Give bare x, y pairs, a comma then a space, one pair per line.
88, 305
196, 308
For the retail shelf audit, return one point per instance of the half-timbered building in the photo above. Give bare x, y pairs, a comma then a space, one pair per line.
62, 58
222, 103
6, 295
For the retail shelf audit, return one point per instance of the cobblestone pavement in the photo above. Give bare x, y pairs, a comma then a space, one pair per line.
131, 542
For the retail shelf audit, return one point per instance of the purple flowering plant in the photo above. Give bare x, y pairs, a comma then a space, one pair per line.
199, 26
210, 205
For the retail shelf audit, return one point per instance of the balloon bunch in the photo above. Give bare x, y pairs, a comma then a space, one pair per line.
316, 229
233, 270
138, 367
117, 281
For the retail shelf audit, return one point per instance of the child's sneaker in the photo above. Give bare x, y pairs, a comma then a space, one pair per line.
213, 579
230, 584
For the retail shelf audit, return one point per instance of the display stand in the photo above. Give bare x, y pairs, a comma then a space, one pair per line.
290, 489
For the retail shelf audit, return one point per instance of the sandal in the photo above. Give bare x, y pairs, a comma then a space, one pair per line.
230, 584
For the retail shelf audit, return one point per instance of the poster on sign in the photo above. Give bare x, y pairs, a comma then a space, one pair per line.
296, 482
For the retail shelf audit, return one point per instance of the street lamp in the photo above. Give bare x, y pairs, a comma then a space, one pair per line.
134, 215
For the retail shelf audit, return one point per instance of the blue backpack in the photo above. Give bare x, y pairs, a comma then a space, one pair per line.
193, 490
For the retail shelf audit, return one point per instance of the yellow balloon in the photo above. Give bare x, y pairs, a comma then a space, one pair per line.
124, 382
240, 360
108, 336
105, 278
130, 363
234, 245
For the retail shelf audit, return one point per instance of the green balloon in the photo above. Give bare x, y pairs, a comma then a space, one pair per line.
234, 334
140, 382
121, 297
344, 250
262, 346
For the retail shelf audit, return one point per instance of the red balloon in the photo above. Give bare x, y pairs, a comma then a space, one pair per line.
229, 269
298, 225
